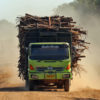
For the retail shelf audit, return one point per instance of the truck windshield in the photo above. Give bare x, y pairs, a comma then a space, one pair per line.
49, 52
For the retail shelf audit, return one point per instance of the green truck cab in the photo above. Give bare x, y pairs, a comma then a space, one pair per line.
49, 63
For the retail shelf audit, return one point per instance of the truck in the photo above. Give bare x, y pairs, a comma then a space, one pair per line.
47, 57
49, 61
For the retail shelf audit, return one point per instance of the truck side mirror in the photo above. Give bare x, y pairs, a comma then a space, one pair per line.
26, 49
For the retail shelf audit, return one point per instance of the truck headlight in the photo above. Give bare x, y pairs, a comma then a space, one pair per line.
34, 76
66, 76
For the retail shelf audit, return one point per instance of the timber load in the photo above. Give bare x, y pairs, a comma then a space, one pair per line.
50, 29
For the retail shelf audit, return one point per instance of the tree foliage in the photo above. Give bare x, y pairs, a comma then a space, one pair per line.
87, 3
83, 6
90, 6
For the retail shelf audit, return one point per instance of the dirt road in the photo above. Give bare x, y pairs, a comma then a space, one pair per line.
15, 91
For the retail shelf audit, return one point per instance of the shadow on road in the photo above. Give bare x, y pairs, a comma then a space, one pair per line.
12, 89
84, 99
21, 88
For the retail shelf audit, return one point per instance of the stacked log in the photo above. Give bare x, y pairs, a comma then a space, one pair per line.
53, 24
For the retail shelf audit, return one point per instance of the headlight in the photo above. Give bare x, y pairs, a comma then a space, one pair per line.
66, 76
34, 76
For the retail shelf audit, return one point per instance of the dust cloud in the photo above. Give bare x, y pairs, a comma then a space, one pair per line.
90, 78
9, 51
91, 23
8, 43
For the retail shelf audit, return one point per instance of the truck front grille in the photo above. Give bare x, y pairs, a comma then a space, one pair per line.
53, 68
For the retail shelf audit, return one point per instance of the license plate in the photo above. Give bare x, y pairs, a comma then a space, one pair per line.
50, 76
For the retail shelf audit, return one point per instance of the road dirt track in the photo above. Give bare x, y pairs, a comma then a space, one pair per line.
16, 91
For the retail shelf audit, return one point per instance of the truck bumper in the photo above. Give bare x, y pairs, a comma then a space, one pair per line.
41, 75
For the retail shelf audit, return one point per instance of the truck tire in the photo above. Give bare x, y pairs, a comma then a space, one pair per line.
28, 85
67, 85
35, 85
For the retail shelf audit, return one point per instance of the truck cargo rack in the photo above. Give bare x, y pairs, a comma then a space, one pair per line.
37, 36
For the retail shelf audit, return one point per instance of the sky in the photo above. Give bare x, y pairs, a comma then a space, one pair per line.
10, 9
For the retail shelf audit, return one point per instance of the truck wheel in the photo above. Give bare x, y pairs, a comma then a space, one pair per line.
32, 85
35, 86
66, 85
28, 85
